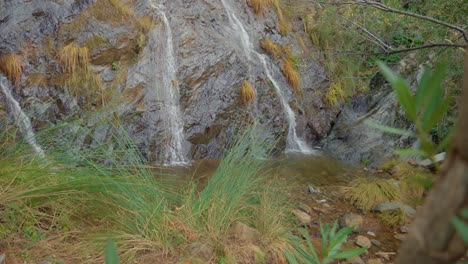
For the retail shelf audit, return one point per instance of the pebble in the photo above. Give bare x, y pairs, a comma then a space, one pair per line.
305, 208
355, 260
376, 243
352, 220
304, 218
370, 233
374, 261
313, 190
404, 229
316, 209
363, 241
401, 237
385, 255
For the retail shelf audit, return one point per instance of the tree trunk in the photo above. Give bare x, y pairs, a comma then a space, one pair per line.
433, 239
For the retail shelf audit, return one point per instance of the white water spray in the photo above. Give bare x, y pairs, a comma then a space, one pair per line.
293, 143
21, 119
168, 93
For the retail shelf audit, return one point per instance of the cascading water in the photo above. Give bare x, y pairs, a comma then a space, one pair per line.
21, 119
293, 143
168, 94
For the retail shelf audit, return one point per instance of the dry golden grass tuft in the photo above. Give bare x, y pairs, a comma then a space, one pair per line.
283, 26
367, 193
37, 79
393, 217
259, 6
289, 67
12, 66
272, 48
81, 81
292, 75
335, 94
409, 177
73, 58
247, 93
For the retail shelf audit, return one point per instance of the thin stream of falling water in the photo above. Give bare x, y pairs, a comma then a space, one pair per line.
21, 119
293, 143
174, 153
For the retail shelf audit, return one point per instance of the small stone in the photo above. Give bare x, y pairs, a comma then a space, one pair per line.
401, 237
363, 241
321, 201
244, 232
319, 210
201, 250
370, 233
385, 255
2, 258
376, 243
390, 206
374, 261
355, 260
352, 220
326, 205
404, 229
313, 190
304, 218
305, 208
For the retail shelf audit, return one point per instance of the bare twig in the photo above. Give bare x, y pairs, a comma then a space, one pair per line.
378, 40
385, 8
428, 46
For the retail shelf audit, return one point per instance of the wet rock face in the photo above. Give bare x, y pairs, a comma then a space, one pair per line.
211, 68
353, 140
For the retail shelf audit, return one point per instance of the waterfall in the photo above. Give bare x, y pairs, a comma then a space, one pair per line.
293, 142
168, 93
21, 119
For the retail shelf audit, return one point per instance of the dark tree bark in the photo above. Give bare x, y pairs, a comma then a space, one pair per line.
433, 239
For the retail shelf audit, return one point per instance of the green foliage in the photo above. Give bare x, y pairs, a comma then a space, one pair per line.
367, 193
352, 38
113, 189
331, 247
425, 108
111, 253
393, 217
461, 224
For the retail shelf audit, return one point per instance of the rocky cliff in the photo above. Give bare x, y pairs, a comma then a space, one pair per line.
119, 51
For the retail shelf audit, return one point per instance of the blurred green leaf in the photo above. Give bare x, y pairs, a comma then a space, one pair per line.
462, 228
410, 152
391, 130
402, 90
111, 253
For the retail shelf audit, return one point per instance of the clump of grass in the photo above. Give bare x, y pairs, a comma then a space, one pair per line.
111, 189
80, 80
37, 79
74, 58
247, 93
283, 26
289, 65
145, 23
259, 6
12, 67
272, 48
95, 42
237, 192
393, 217
292, 75
413, 180
367, 193
335, 93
